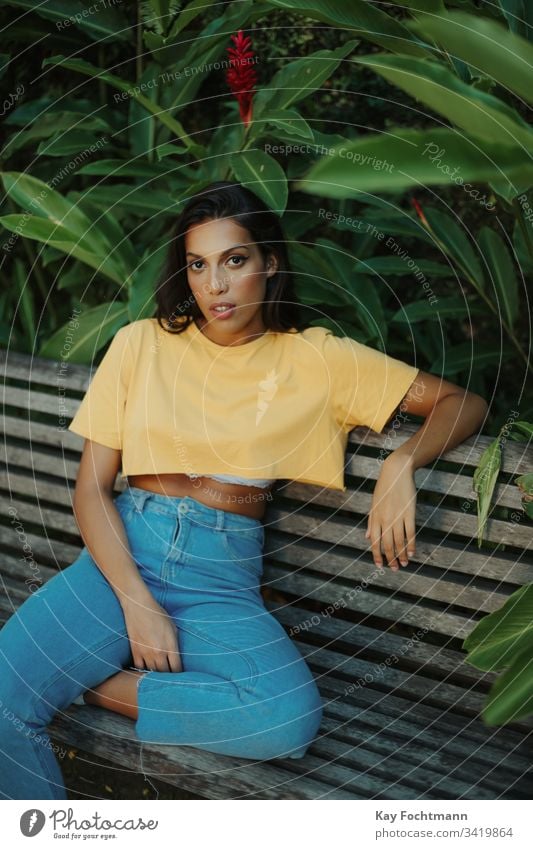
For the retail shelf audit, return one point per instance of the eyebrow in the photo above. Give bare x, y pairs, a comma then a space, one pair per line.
227, 251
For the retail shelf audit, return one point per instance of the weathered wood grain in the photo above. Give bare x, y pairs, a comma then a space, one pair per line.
409, 729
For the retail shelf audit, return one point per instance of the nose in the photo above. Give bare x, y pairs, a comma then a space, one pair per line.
217, 283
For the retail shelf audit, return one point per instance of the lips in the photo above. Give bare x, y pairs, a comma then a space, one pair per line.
222, 309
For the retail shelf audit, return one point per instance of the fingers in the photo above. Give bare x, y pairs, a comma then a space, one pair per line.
375, 543
161, 661
410, 532
388, 542
174, 662
400, 542
397, 543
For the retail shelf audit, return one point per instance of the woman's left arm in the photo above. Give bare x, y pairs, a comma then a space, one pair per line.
451, 415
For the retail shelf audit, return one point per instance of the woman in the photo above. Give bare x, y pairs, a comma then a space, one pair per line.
205, 406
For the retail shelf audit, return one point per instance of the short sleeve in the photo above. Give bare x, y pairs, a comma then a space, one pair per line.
100, 416
367, 385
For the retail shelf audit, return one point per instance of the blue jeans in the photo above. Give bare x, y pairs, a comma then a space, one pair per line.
245, 689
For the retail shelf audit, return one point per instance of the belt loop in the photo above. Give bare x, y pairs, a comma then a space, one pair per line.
140, 496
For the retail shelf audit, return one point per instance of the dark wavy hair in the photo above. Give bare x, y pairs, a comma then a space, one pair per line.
223, 199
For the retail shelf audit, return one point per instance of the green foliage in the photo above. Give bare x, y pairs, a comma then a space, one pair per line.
504, 640
110, 213
96, 165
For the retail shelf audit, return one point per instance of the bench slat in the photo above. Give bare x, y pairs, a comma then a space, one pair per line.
406, 580
18, 366
427, 516
409, 731
39, 433
51, 462
34, 401
347, 549
411, 764
516, 456
357, 637
433, 480
111, 736
413, 613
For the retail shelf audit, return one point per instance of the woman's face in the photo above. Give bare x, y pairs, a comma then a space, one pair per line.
225, 267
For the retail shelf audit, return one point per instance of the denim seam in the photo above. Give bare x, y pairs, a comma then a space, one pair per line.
254, 672
38, 697
222, 688
247, 563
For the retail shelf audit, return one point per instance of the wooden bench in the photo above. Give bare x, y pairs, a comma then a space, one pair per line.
402, 707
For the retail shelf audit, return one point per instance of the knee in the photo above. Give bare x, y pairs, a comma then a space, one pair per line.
295, 722
304, 728
17, 699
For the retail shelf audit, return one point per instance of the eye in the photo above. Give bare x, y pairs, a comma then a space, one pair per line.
192, 264
238, 256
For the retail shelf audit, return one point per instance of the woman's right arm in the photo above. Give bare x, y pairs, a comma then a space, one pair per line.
152, 633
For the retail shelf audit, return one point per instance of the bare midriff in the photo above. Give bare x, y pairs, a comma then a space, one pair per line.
237, 498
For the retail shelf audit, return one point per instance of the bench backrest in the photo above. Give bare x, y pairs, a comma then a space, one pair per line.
319, 573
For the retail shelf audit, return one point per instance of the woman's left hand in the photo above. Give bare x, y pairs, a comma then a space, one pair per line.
391, 521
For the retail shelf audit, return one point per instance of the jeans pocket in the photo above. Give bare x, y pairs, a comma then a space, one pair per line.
244, 546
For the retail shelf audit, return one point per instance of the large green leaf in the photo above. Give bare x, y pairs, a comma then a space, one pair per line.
363, 298
124, 168
476, 112
360, 17
502, 272
453, 306
434, 6
25, 305
40, 199
485, 477
519, 15
500, 635
188, 14
142, 292
263, 175
397, 266
465, 357
83, 67
299, 79
394, 162
486, 45
96, 326
140, 199
142, 125
69, 143
455, 243
50, 123
511, 696
525, 430
108, 24
288, 120
67, 223
54, 235
313, 284
376, 223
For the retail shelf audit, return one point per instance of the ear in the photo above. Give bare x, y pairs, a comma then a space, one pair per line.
272, 265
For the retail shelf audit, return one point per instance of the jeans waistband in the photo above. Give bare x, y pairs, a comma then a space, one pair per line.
185, 505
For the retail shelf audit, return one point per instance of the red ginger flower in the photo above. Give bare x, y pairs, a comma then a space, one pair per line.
241, 75
420, 212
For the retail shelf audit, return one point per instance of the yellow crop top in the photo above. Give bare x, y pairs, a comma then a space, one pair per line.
279, 406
